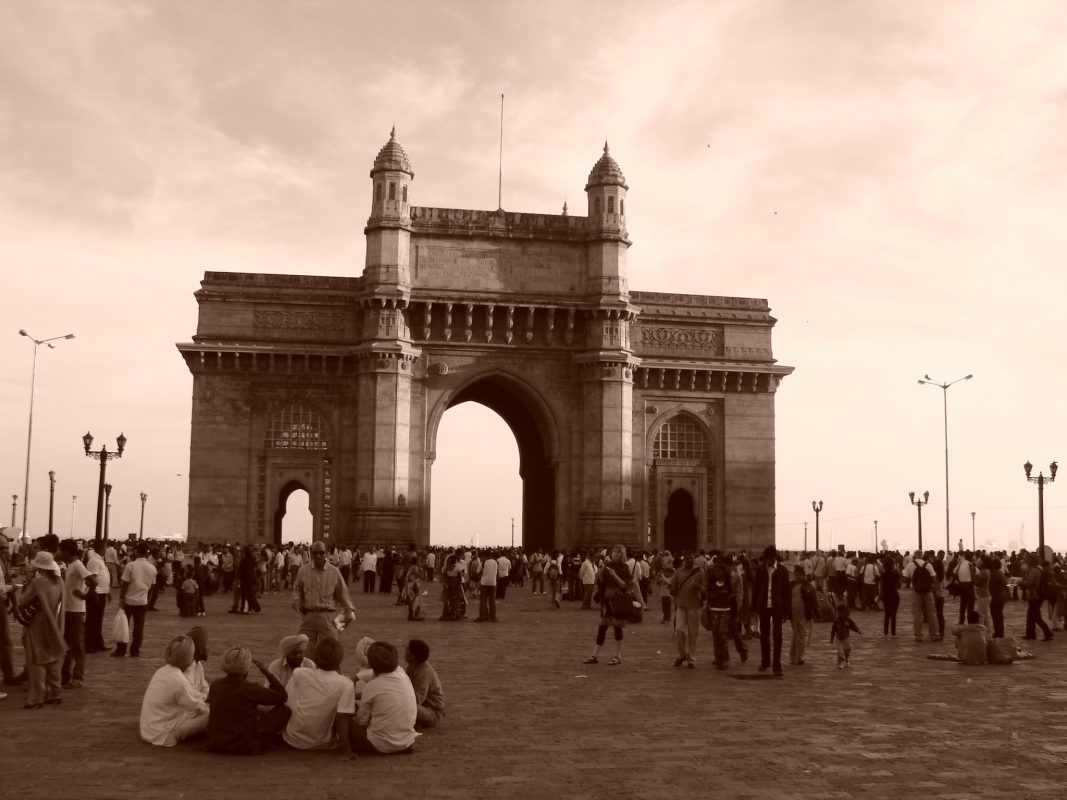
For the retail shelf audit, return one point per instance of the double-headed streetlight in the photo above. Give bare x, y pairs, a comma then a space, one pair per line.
816, 506
1041, 480
926, 380
29, 434
103, 455
919, 503
140, 533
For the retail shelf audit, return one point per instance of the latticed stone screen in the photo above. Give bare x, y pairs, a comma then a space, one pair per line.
680, 437
297, 427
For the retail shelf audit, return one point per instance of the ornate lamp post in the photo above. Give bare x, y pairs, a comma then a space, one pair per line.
817, 508
29, 435
919, 504
1041, 480
103, 455
140, 533
51, 496
927, 381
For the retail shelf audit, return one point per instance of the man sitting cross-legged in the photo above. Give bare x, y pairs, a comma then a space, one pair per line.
293, 649
236, 724
173, 710
385, 719
427, 686
322, 702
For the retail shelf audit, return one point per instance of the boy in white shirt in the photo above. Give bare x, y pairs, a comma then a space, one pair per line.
322, 702
385, 720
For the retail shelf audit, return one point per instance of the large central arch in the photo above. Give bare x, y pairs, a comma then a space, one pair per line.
528, 420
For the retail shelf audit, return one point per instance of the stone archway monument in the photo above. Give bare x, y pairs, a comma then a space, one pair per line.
616, 398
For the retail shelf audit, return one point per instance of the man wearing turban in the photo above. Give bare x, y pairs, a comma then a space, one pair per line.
172, 710
236, 724
292, 657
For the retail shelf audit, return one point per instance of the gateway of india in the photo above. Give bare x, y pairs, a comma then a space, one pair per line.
641, 418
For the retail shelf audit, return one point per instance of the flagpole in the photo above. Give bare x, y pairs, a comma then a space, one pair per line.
500, 165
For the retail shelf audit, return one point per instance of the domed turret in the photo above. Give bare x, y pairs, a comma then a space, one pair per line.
606, 191
391, 175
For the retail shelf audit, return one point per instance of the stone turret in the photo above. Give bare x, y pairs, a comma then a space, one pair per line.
389, 227
391, 176
606, 191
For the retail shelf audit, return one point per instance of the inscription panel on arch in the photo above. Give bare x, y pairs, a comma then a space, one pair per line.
542, 268
676, 340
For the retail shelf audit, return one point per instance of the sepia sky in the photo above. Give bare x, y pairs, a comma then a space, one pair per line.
890, 175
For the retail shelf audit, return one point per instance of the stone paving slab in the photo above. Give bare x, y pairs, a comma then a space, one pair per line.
527, 720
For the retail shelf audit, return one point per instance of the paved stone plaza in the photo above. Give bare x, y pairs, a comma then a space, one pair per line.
527, 719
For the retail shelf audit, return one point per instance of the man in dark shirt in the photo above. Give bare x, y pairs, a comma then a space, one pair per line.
235, 724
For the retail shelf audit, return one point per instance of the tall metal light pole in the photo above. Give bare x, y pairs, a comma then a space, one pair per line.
926, 380
103, 456
29, 434
817, 508
14, 506
919, 504
1041, 480
805, 537
876, 537
107, 511
51, 497
513, 533
140, 532
973, 547
73, 504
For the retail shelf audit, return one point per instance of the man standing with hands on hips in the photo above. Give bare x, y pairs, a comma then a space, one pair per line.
318, 592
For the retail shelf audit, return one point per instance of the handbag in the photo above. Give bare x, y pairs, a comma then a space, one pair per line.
625, 606
120, 627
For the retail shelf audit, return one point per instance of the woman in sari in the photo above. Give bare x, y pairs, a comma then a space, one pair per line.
455, 604
42, 637
613, 578
411, 593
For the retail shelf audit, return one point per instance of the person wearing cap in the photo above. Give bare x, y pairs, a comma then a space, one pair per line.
42, 638
235, 723
322, 701
318, 592
172, 709
292, 657
772, 598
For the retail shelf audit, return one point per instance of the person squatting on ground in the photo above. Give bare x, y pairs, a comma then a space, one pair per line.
235, 723
687, 587
385, 720
173, 710
429, 696
839, 633
322, 702
614, 577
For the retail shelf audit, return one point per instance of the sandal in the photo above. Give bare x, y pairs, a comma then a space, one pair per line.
615, 661
591, 660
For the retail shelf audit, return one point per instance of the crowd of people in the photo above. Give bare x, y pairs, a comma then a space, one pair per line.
58, 592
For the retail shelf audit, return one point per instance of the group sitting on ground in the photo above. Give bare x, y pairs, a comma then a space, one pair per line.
307, 703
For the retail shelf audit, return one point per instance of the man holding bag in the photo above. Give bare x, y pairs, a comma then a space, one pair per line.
138, 578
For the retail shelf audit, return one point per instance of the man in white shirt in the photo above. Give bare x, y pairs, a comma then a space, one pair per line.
385, 720
431, 565
964, 573
344, 563
74, 591
96, 600
487, 590
322, 702
587, 575
370, 565
503, 570
111, 558
137, 579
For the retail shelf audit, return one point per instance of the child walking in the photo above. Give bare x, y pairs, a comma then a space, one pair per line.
839, 632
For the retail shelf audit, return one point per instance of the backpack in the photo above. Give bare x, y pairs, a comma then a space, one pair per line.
553, 571
921, 580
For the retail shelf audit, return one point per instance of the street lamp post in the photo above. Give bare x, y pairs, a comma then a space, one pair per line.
1041, 480
51, 497
927, 381
805, 537
14, 506
919, 504
817, 508
29, 433
140, 532
513, 533
103, 455
973, 547
73, 505
876, 536
107, 511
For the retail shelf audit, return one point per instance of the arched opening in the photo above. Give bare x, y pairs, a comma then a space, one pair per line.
535, 523
293, 520
680, 526
477, 490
